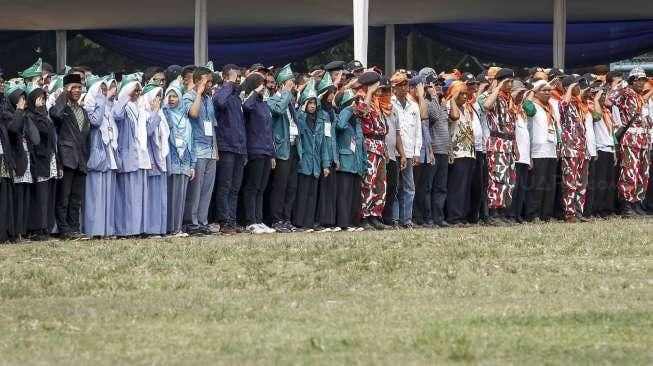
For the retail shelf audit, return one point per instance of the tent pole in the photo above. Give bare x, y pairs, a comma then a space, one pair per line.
559, 32
201, 39
361, 8
61, 45
389, 49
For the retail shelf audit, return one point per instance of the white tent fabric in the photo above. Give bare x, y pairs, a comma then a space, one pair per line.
116, 14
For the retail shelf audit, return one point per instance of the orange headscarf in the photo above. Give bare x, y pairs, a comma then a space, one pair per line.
581, 106
458, 87
381, 104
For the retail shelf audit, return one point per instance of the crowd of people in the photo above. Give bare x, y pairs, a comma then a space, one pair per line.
190, 151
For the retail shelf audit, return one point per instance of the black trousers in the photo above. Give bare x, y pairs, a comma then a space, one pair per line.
439, 190
41, 216
392, 187
459, 190
326, 202
284, 188
605, 190
257, 173
648, 200
347, 191
22, 201
478, 209
306, 201
542, 197
423, 176
590, 194
519, 206
558, 211
357, 201
7, 232
70, 193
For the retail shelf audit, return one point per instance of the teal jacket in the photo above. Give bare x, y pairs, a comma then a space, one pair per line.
312, 157
349, 133
329, 143
282, 111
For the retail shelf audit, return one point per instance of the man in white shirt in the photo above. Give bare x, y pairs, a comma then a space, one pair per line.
408, 113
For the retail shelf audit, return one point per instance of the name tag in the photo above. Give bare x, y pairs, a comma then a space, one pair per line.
327, 129
294, 131
208, 128
352, 145
1, 151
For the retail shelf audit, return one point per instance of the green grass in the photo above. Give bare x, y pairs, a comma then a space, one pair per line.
549, 294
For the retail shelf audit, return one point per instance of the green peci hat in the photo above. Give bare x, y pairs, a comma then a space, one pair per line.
347, 97
30, 87
35, 70
92, 79
325, 84
12, 85
209, 65
56, 83
127, 79
284, 74
150, 86
308, 92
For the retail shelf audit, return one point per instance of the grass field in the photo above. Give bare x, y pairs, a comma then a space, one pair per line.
548, 294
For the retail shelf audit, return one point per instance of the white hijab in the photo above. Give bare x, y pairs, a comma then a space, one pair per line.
139, 117
108, 128
162, 132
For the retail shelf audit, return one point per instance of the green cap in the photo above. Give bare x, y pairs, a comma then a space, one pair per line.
209, 65
325, 84
308, 92
150, 86
126, 79
56, 83
284, 74
13, 85
34, 70
347, 97
92, 79
31, 87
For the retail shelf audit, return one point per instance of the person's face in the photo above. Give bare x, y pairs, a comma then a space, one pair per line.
401, 90
187, 80
209, 83
472, 87
103, 89
520, 97
47, 77
384, 92
575, 91
173, 99
556, 84
358, 72
38, 80
462, 98
543, 94
75, 92
507, 86
311, 106
270, 83
159, 78
135, 94
638, 85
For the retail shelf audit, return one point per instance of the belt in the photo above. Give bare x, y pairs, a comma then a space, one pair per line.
637, 130
375, 137
502, 135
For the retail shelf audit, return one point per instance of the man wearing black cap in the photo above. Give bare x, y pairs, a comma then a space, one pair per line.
634, 143
502, 151
335, 69
232, 146
72, 124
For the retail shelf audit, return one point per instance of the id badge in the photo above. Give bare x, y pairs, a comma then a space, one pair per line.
327, 129
352, 145
208, 128
293, 129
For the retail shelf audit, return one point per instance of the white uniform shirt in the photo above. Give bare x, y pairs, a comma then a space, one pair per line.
411, 126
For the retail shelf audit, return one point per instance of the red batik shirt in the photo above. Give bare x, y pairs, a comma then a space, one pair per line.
573, 139
374, 127
501, 121
632, 105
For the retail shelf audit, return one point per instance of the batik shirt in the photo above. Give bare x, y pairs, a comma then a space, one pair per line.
631, 105
461, 134
573, 139
374, 128
501, 123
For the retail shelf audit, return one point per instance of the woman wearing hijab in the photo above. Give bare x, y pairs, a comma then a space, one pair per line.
133, 158
23, 136
326, 204
310, 122
462, 153
181, 157
100, 193
260, 153
158, 147
519, 209
43, 167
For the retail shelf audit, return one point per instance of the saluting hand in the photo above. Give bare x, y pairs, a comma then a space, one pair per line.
21, 103
156, 104
40, 101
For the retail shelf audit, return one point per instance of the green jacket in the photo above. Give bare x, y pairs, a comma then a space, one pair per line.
282, 111
312, 157
329, 144
349, 133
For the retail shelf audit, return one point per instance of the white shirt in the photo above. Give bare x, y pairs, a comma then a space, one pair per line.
590, 137
479, 143
603, 137
523, 141
543, 141
411, 126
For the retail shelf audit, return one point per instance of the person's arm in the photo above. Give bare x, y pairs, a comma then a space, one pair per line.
250, 102
57, 110
342, 120
454, 110
399, 145
423, 105
194, 111
418, 141
119, 110
279, 104
529, 108
31, 132
568, 93
222, 95
488, 103
96, 112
